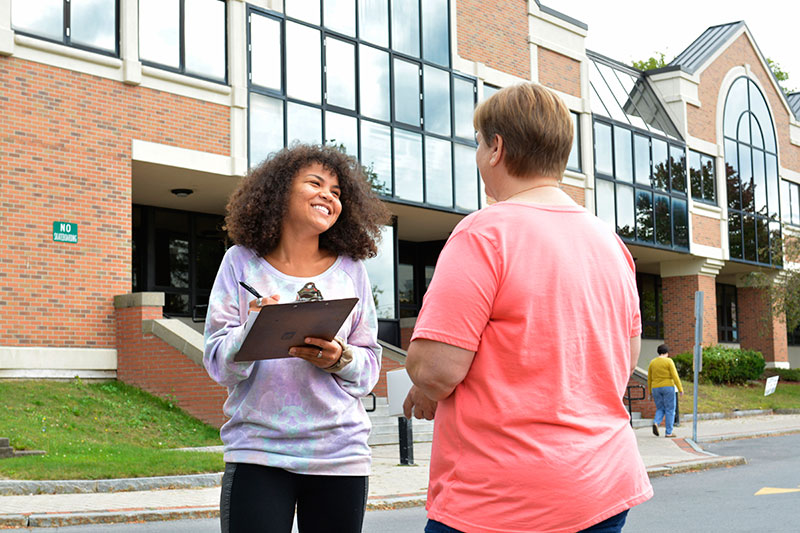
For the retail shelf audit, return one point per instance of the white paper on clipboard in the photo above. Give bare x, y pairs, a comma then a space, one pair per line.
397, 386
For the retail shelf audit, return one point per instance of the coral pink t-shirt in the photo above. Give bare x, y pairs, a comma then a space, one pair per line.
536, 437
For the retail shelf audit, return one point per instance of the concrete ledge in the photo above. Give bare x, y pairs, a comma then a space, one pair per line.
139, 299
81, 486
13, 520
119, 517
178, 335
695, 465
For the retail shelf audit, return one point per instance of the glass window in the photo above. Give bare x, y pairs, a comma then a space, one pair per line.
776, 243
342, 130
660, 164
749, 237
574, 161
663, 220
405, 26
762, 117
93, 23
677, 163
625, 214
303, 63
735, 104
641, 156
759, 182
709, 179
307, 10
438, 172
772, 185
408, 165
435, 32
373, 21
376, 154
702, 177
735, 235
732, 175
340, 57
603, 159
381, 274
463, 107
467, 193
405, 287
266, 127
650, 305
406, 92
159, 32
40, 17
680, 223
340, 15
436, 100
644, 216
795, 203
303, 123
489, 90
265, 53
623, 157
605, 202
374, 80
762, 240
204, 37
727, 323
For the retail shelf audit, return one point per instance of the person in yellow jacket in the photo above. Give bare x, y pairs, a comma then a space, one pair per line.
662, 378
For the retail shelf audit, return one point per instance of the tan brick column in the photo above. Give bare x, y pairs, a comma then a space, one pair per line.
759, 329
679, 282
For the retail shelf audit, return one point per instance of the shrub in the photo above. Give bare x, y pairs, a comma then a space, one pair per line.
786, 374
722, 364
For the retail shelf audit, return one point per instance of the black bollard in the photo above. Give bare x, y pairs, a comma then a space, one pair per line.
406, 441
677, 421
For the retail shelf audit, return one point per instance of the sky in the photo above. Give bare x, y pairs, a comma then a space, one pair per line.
628, 30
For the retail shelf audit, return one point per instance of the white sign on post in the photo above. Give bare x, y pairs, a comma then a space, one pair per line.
397, 386
772, 384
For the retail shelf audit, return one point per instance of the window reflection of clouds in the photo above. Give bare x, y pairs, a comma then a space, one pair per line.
340, 15
467, 193
341, 73
376, 152
266, 127
303, 123
342, 130
435, 32
381, 275
405, 26
406, 92
438, 172
265, 40
464, 102
204, 38
93, 23
408, 165
307, 10
374, 80
437, 100
158, 32
374, 21
42, 17
303, 63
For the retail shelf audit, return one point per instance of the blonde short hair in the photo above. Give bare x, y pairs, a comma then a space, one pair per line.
535, 125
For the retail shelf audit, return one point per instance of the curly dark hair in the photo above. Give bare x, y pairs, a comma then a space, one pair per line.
258, 205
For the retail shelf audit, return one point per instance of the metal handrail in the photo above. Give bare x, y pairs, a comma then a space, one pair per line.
631, 399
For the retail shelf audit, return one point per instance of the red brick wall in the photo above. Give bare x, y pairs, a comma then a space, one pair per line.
65, 155
678, 293
559, 72
706, 231
496, 36
758, 329
702, 120
576, 193
151, 364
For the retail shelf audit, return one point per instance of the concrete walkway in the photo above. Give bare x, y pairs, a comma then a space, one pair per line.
391, 485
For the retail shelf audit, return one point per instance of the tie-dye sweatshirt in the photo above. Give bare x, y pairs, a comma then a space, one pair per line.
287, 413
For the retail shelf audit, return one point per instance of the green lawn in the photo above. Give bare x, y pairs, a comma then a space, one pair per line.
99, 431
727, 398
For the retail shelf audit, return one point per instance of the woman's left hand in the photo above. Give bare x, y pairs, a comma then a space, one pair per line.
325, 354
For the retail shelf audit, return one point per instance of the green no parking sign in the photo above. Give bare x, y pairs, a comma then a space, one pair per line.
65, 232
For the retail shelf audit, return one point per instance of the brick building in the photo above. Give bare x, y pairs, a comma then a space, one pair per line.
125, 126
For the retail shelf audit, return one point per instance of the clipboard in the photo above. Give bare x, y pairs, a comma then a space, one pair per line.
278, 327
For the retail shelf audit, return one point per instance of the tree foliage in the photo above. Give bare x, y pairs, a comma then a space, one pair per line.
780, 75
651, 62
782, 291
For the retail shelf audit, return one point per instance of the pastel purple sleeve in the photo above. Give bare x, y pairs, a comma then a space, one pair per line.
224, 331
360, 376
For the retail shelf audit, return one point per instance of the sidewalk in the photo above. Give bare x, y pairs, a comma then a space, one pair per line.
391, 485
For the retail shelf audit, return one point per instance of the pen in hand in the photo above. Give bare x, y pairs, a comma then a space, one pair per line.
252, 291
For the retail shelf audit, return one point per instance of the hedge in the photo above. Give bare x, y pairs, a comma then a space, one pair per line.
722, 364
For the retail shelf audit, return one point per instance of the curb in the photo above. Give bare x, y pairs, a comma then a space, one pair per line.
693, 465
76, 486
107, 517
753, 435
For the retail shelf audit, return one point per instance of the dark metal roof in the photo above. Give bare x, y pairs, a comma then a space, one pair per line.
794, 103
623, 93
704, 46
562, 16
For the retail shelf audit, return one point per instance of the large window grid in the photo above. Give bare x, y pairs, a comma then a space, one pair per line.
751, 171
406, 115
90, 26
182, 40
727, 309
640, 185
702, 178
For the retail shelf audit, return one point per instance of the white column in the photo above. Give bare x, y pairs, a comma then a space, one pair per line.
237, 72
6, 33
129, 42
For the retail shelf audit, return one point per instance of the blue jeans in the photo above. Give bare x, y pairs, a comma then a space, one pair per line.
609, 525
665, 406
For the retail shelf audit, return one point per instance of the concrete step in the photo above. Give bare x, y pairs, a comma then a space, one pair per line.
385, 429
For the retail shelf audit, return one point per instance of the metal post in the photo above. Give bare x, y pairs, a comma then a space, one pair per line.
406, 441
698, 353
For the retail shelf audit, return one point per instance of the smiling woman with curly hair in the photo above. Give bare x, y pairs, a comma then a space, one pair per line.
302, 221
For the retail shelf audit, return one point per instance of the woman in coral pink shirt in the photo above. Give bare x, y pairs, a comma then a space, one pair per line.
525, 342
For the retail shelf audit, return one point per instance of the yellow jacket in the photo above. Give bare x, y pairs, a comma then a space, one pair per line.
662, 373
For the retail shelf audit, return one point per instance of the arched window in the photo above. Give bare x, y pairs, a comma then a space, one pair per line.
751, 171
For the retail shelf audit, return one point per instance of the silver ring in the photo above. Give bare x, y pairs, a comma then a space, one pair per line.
259, 302
319, 355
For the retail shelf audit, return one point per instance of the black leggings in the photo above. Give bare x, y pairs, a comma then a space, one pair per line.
262, 499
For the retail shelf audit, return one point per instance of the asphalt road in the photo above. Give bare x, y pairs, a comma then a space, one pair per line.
763, 495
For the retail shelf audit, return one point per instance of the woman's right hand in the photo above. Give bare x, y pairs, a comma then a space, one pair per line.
270, 300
